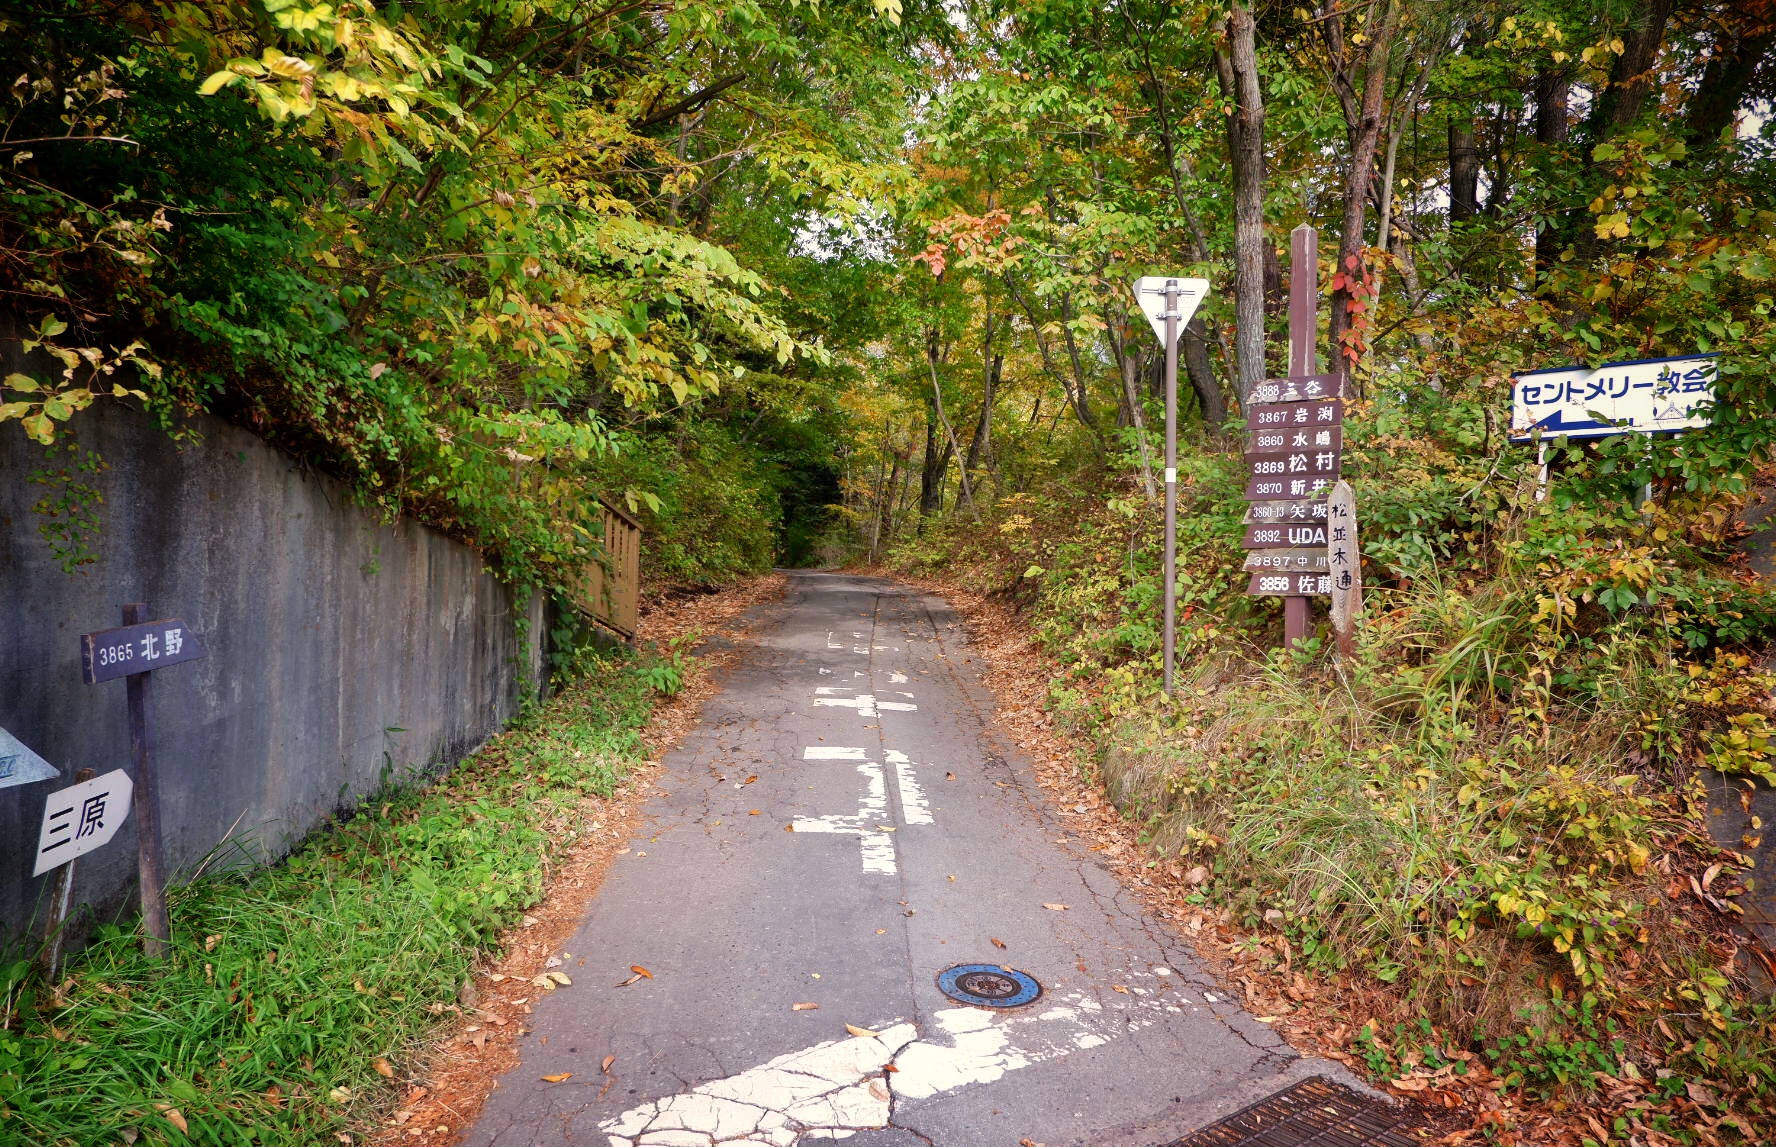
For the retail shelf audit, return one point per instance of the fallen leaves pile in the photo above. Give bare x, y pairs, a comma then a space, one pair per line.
454, 1075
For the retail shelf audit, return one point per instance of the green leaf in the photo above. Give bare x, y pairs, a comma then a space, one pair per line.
22, 382
217, 82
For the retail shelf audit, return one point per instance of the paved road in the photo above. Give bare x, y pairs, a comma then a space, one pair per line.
918, 839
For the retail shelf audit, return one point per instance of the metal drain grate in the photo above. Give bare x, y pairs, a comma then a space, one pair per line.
1315, 1111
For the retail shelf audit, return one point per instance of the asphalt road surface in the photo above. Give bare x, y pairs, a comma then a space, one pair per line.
895, 837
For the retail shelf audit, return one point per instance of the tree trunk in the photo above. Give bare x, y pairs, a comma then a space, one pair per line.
1236, 66
936, 464
951, 449
1464, 168
980, 447
1715, 106
1631, 78
1553, 99
1193, 347
1365, 134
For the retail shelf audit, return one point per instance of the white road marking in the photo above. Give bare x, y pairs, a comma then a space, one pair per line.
838, 1088
912, 798
865, 703
876, 846
895, 678
833, 753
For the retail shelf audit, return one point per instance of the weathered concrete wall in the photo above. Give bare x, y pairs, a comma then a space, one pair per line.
337, 642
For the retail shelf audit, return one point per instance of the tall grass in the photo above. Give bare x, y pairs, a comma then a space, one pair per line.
286, 985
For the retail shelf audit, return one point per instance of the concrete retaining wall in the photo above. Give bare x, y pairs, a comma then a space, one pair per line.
338, 645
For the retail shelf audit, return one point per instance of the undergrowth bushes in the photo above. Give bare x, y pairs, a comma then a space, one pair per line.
1493, 808
286, 987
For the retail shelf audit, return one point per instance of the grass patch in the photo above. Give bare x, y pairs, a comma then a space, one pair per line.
287, 985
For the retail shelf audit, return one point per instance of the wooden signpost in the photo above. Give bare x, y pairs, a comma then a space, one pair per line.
133, 652
1345, 563
1294, 456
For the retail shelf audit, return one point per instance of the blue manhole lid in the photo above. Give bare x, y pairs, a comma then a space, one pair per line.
988, 985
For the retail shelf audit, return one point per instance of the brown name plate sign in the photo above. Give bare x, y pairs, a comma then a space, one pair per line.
1284, 439
1299, 511
1294, 415
1314, 386
1285, 535
1290, 585
1268, 488
1287, 561
1312, 463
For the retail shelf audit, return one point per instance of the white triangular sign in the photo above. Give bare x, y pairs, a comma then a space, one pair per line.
1150, 292
19, 765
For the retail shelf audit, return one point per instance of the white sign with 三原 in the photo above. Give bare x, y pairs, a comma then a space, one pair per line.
78, 819
1617, 398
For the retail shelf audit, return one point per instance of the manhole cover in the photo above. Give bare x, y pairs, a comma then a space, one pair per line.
988, 985
1314, 1111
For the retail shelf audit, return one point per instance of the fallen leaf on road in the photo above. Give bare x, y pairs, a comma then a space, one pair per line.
1123, 988
563, 1077
880, 1090
630, 980
384, 1069
949, 776
996, 941
605, 1066
789, 828
861, 1033
881, 931
889, 1067
1055, 907
641, 971
803, 1007
753, 812
750, 779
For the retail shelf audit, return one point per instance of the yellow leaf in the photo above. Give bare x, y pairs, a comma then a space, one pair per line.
641, 971
861, 1033
563, 1077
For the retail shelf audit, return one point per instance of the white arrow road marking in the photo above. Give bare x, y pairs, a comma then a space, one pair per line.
835, 1089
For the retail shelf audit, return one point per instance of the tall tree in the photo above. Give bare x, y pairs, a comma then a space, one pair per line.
1236, 68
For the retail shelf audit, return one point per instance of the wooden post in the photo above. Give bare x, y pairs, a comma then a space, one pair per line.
60, 897
1345, 566
1304, 297
140, 691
